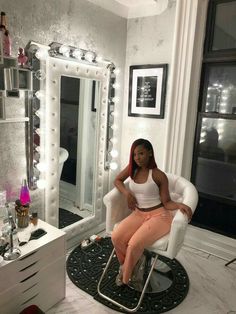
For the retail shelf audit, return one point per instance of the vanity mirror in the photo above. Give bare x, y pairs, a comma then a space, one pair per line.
74, 101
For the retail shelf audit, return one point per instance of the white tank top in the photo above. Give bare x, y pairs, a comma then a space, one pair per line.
147, 194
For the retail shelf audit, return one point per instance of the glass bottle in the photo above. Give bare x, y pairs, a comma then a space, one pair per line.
24, 193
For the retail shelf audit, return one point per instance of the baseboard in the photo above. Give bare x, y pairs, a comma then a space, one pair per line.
72, 242
210, 242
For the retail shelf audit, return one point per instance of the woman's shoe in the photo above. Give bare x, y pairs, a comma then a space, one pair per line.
119, 278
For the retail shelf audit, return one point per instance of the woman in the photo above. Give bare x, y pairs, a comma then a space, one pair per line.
148, 196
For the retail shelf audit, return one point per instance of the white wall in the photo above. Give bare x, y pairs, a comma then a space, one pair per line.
149, 41
74, 22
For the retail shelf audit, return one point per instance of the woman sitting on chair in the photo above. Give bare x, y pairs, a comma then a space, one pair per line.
149, 199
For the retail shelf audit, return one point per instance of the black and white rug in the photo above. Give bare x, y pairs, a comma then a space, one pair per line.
85, 266
67, 218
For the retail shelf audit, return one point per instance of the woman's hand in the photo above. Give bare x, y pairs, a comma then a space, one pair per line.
185, 210
131, 200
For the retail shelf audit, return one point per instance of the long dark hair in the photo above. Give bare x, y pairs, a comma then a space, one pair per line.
132, 164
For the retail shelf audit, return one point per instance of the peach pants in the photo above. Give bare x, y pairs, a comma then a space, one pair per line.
137, 231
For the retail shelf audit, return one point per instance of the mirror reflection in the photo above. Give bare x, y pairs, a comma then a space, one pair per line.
78, 103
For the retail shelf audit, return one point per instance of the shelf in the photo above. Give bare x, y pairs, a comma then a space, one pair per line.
14, 120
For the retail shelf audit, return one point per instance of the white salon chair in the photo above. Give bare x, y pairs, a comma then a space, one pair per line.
181, 190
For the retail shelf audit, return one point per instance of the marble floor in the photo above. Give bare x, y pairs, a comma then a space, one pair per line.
212, 289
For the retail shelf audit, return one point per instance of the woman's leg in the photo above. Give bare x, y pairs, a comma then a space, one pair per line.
123, 232
153, 228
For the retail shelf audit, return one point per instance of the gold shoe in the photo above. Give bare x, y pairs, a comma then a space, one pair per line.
119, 278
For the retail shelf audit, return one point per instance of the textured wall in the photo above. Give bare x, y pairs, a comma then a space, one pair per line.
149, 41
74, 22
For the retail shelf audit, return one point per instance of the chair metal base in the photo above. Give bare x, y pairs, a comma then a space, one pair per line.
134, 309
161, 278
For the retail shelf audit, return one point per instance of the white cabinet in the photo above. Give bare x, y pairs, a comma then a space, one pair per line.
37, 276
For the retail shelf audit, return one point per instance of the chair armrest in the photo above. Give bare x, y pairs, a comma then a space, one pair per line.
116, 208
177, 234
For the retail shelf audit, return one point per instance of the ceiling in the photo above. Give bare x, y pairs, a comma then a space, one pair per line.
133, 8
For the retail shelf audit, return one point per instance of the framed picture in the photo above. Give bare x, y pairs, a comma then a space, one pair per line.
147, 90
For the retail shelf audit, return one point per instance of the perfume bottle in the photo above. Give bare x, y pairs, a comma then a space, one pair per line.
6, 40
24, 193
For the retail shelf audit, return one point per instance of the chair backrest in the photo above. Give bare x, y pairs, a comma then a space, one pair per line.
181, 190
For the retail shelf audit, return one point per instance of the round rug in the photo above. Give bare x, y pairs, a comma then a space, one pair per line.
85, 267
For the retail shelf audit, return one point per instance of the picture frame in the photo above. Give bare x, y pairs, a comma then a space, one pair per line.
147, 90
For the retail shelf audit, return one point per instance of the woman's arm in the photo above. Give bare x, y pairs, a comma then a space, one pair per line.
119, 183
162, 181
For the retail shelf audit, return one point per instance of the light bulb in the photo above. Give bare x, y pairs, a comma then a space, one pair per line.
77, 53
41, 166
41, 184
116, 85
90, 56
117, 71
39, 94
41, 53
113, 165
65, 50
114, 153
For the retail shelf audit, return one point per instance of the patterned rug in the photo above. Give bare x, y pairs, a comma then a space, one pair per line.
67, 218
85, 266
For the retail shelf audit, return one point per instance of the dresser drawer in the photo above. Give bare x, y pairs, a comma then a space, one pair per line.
27, 265
44, 289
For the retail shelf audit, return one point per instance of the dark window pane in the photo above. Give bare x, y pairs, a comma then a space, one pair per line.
216, 163
221, 89
225, 26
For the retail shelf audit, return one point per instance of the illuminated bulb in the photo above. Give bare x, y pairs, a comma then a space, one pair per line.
114, 140
114, 114
114, 153
41, 167
77, 53
37, 131
41, 53
41, 184
113, 165
65, 50
115, 99
114, 127
116, 85
117, 71
90, 56
203, 134
39, 94
38, 113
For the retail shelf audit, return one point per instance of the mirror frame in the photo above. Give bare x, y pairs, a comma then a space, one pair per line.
55, 67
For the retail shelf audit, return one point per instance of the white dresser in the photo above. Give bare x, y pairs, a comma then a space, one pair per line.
37, 276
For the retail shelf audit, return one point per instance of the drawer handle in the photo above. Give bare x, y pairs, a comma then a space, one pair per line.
29, 266
30, 288
30, 299
29, 277
24, 257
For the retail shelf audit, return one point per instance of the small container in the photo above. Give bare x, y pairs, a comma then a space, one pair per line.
22, 216
34, 218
